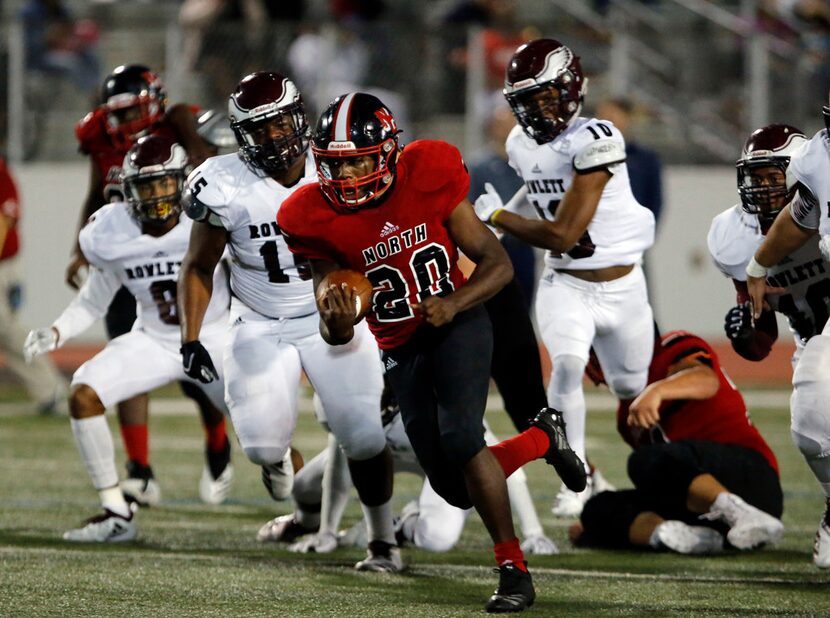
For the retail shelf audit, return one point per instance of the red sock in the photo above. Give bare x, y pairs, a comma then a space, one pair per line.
515, 452
136, 443
509, 551
216, 436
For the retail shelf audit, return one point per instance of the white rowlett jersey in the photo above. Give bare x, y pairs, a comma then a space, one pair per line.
810, 166
265, 275
621, 228
148, 267
735, 236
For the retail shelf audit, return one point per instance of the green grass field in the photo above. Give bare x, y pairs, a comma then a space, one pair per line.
196, 560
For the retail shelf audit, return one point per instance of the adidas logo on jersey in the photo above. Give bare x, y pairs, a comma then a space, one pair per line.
159, 254
536, 169
388, 228
390, 363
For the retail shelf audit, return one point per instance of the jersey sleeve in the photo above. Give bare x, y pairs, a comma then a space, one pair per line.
9, 199
729, 254
89, 305
685, 347
804, 209
510, 146
440, 171
88, 131
597, 145
205, 196
298, 234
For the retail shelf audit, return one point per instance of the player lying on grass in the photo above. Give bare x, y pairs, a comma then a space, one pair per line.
700, 469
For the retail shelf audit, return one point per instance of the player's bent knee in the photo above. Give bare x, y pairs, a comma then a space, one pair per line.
628, 386
461, 446
84, 402
265, 455
567, 374
361, 445
810, 412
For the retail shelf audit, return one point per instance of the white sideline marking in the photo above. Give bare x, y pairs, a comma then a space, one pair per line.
419, 567
596, 402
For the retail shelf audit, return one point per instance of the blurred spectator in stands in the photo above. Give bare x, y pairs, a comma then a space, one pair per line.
57, 44
363, 10
644, 167
807, 21
490, 165
42, 381
225, 39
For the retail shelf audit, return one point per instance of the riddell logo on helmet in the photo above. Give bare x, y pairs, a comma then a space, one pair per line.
341, 146
524, 83
263, 109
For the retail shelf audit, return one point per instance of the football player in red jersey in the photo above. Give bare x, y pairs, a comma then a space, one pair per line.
401, 217
133, 104
697, 456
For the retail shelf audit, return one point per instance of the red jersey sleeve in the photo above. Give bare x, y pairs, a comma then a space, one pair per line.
440, 170
9, 199
298, 226
90, 131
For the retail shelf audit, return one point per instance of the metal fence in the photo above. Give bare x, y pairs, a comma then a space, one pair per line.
702, 76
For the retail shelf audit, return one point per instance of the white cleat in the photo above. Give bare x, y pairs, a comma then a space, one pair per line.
749, 527
821, 545
215, 490
278, 478
539, 545
685, 539
381, 557
322, 543
568, 504
144, 492
105, 528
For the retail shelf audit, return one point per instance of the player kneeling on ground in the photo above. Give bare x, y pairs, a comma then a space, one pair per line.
700, 468
138, 244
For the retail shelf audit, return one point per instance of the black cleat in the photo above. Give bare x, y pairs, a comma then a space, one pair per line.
560, 455
515, 592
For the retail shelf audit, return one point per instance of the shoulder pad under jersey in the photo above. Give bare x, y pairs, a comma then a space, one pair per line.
435, 163
595, 145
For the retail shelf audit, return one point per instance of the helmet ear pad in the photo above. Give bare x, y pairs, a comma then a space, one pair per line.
356, 125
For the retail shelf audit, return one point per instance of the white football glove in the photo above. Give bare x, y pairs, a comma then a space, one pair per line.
488, 204
321, 543
39, 341
824, 247
540, 545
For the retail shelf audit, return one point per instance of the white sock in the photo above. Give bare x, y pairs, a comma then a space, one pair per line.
94, 440
337, 482
112, 498
572, 406
379, 522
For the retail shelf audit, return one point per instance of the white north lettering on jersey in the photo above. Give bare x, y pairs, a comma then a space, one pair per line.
148, 267
621, 228
264, 272
733, 239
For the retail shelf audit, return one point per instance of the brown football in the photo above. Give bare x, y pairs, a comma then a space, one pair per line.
362, 286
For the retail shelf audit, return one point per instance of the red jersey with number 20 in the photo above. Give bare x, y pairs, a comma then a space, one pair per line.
403, 245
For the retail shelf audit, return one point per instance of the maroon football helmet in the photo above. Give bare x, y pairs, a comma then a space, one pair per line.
545, 88
269, 121
153, 175
762, 169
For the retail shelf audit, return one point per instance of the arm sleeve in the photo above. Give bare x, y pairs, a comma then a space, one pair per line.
88, 306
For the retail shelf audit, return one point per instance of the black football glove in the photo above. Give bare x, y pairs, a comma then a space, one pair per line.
738, 323
197, 362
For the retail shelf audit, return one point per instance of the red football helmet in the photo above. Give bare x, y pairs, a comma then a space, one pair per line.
269, 121
545, 88
762, 169
133, 99
153, 175
356, 125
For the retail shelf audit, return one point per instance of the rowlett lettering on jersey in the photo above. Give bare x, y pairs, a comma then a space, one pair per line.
153, 269
264, 230
797, 274
546, 185
395, 244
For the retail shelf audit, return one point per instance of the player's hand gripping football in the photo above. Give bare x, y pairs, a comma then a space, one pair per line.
337, 309
738, 323
197, 362
488, 204
39, 342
